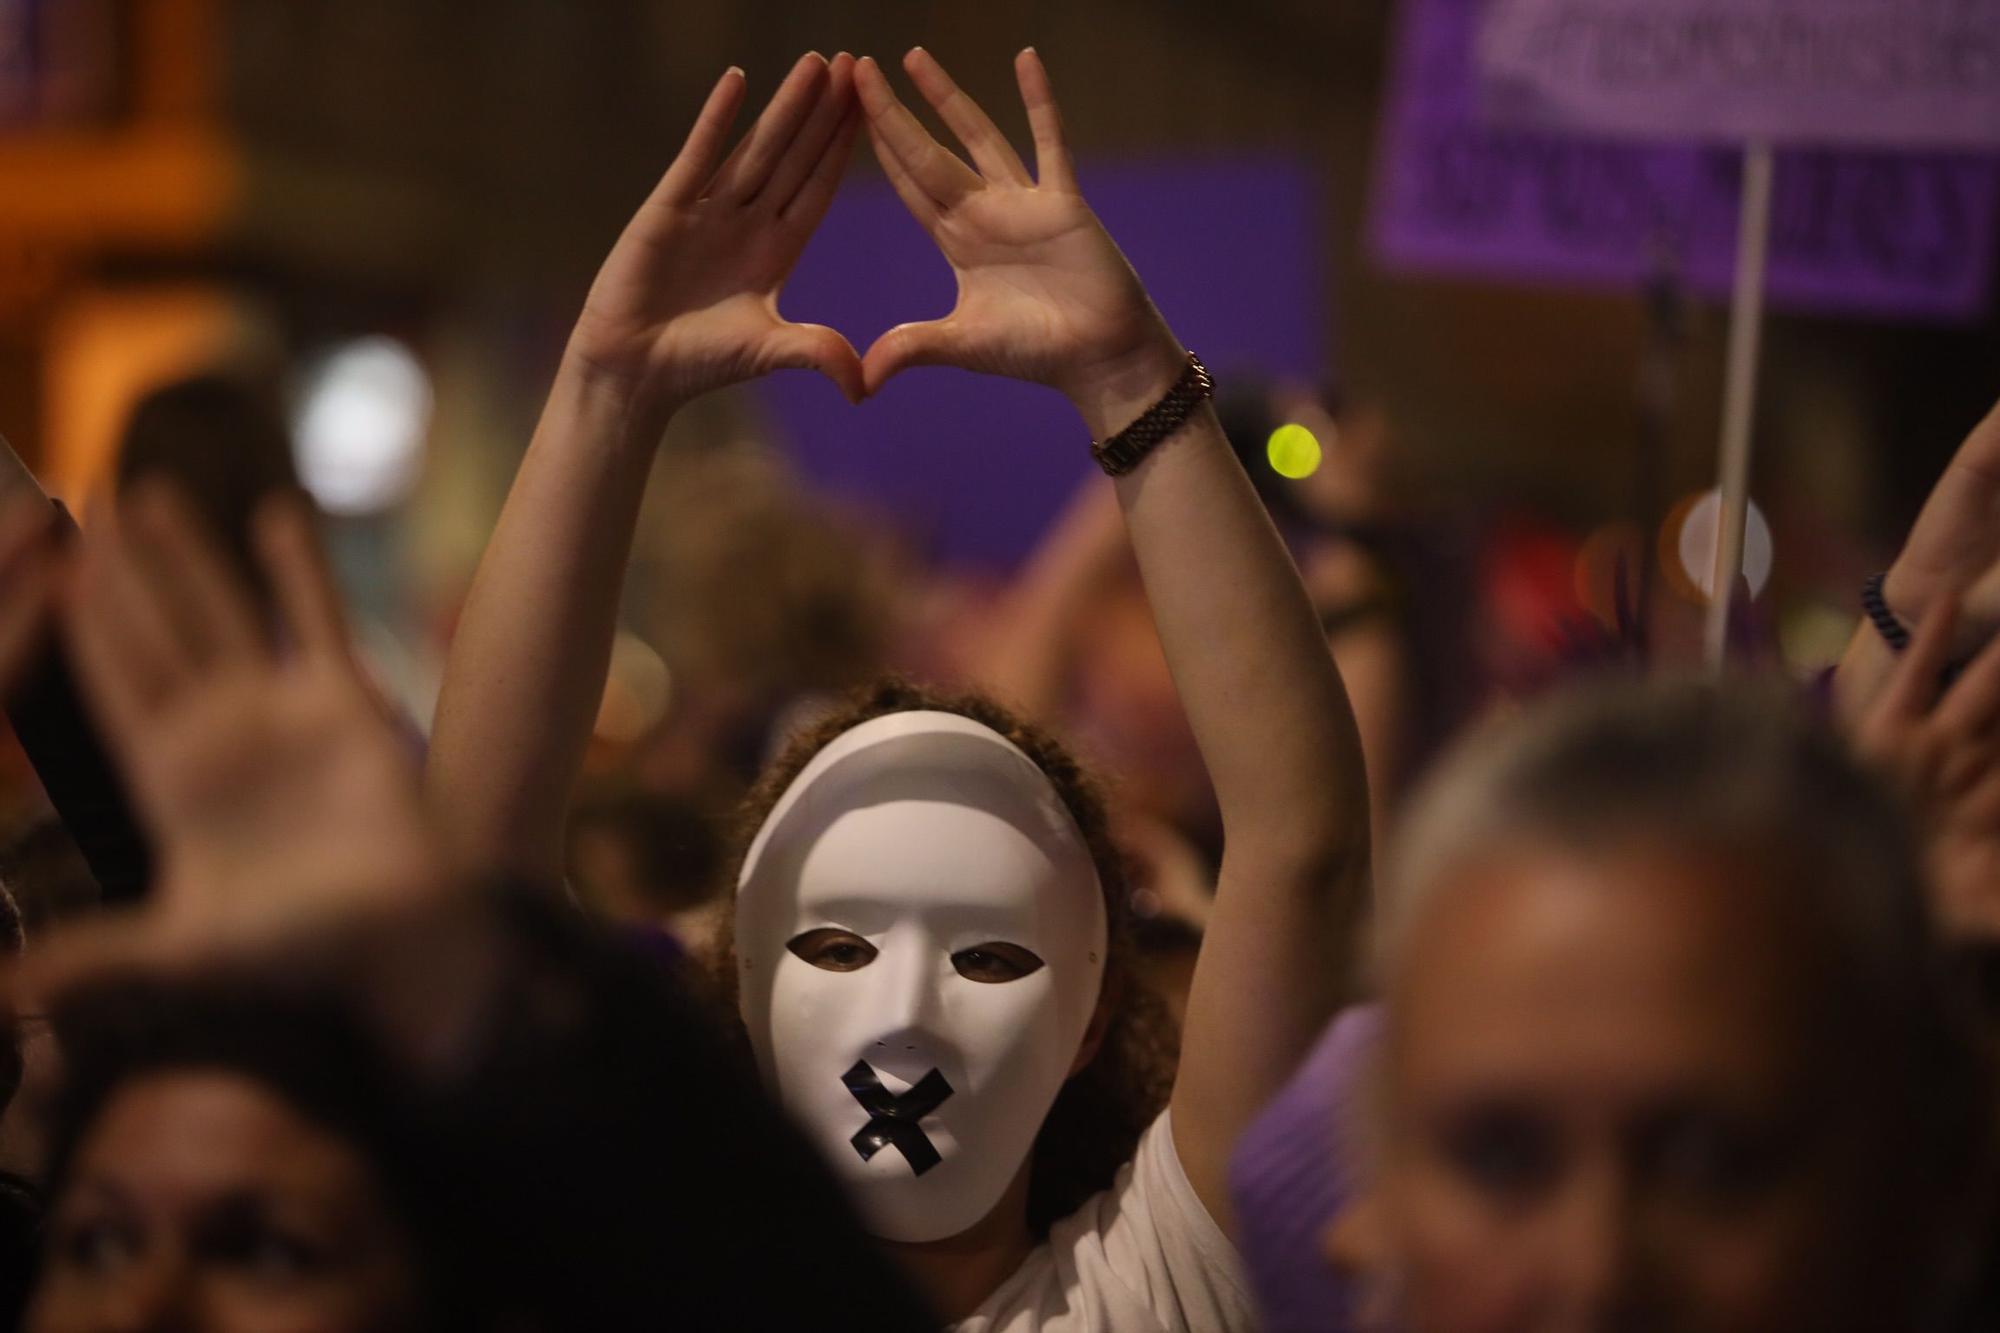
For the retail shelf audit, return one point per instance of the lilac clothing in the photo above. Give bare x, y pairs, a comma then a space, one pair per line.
1294, 1169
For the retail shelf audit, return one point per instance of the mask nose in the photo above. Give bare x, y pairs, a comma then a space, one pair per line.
905, 1005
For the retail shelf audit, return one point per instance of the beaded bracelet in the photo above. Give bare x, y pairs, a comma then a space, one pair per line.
1880, 616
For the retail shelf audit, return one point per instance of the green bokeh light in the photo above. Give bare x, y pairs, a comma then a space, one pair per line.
1294, 451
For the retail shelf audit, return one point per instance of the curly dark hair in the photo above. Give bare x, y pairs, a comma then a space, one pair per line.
1094, 1127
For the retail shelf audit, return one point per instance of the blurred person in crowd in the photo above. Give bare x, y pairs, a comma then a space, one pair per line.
759, 595
1668, 1042
318, 1080
1070, 641
648, 860
470, 1115
1304, 1158
926, 936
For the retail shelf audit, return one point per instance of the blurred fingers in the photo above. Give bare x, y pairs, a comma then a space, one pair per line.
308, 598
127, 657
202, 596
1972, 705
1914, 686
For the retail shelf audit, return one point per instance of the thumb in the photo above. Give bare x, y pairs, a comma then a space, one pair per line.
817, 347
931, 342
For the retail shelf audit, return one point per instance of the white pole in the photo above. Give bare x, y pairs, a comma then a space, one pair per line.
1739, 402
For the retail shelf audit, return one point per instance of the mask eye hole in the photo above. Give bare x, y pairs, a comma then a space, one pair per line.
833, 950
995, 962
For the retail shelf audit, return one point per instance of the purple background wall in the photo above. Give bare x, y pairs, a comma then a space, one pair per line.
973, 467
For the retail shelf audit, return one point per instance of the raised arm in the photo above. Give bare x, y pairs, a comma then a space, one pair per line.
1044, 295
686, 302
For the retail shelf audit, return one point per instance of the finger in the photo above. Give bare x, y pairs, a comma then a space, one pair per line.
1973, 702
157, 942
815, 140
125, 655
809, 205
1052, 163
201, 593
1913, 689
921, 205
816, 347
933, 342
308, 598
747, 169
696, 164
990, 151
935, 168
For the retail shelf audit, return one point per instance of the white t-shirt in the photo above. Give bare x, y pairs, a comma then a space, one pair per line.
1143, 1256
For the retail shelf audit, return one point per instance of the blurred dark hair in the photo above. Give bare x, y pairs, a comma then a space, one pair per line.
224, 439
564, 1134
1095, 1124
676, 848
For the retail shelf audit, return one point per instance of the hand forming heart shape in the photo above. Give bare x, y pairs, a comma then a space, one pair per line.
688, 299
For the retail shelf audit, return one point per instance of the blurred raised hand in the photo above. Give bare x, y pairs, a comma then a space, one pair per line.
1955, 543
276, 788
687, 301
1952, 549
1941, 747
1043, 293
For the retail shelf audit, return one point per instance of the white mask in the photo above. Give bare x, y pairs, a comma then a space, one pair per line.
914, 849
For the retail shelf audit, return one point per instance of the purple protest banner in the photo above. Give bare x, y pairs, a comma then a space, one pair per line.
1881, 73
1908, 235
973, 467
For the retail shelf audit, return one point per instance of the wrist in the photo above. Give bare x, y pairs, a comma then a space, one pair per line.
1113, 393
617, 400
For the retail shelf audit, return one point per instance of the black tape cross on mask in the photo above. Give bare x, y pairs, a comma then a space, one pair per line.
892, 1119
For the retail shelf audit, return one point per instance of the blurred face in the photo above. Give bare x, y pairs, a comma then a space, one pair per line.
201, 1201
1605, 1109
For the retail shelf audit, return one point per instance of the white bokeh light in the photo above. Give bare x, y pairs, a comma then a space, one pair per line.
360, 426
1699, 532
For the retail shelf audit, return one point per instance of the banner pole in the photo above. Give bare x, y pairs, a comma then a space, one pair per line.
1739, 402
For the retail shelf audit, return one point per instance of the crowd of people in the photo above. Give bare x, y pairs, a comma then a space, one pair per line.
1659, 1001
